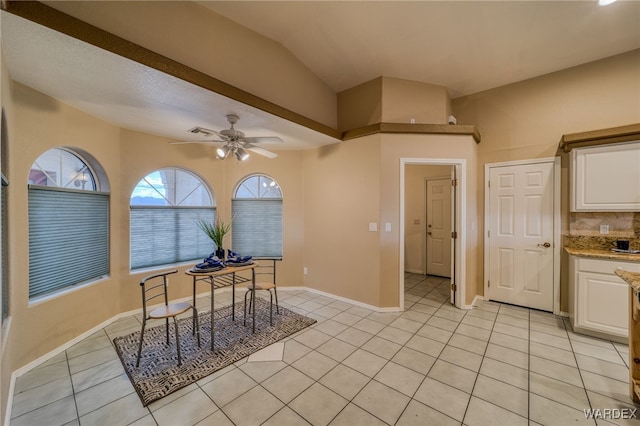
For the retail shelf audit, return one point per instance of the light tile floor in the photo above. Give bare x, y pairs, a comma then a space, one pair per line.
430, 365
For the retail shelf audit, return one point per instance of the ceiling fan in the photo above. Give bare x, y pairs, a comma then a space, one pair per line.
234, 141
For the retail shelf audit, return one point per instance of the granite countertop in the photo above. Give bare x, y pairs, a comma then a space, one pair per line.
632, 278
603, 254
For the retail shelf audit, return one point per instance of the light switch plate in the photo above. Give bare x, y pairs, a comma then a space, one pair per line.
373, 227
604, 229
387, 227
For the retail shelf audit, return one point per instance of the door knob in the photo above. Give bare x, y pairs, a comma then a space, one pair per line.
547, 245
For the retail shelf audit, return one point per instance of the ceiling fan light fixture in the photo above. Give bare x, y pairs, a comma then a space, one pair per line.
223, 152
233, 141
241, 154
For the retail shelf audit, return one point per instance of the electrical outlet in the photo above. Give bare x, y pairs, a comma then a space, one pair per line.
604, 229
306, 271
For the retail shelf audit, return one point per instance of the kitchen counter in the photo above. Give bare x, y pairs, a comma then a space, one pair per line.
603, 254
632, 278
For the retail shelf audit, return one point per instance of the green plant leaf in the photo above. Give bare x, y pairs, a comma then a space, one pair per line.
215, 230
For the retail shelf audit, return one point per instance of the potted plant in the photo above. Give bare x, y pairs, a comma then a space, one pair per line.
216, 231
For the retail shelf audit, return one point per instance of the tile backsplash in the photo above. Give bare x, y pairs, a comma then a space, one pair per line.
584, 229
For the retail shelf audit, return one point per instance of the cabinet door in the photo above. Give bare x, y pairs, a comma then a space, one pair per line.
602, 303
606, 178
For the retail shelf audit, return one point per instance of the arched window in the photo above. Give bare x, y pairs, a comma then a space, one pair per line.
166, 206
68, 223
257, 217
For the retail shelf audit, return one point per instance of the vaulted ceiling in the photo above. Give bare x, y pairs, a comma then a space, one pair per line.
466, 46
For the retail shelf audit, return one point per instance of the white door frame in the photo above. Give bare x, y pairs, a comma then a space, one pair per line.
460, 165
556, 223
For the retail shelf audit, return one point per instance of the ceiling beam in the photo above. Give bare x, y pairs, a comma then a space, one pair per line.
58, 21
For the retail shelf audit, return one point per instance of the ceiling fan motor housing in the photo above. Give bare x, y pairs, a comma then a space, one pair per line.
232, 134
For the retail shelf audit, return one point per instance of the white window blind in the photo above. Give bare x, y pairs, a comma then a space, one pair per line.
68, 238
163, 235
257, 227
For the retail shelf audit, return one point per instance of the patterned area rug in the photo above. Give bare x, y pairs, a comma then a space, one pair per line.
159, 374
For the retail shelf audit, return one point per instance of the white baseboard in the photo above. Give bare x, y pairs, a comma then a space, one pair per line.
475, 301
344, 299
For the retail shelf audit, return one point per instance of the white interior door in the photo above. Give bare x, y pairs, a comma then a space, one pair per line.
520, 234
439, 227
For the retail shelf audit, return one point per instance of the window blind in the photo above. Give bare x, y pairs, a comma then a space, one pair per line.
165, 235
68, 238
257, 227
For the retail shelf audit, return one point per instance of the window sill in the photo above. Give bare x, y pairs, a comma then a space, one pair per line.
38, 300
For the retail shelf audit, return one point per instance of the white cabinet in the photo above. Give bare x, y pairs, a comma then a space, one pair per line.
600, 299
606, 178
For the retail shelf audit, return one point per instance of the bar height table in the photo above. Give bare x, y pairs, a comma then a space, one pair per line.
225, 277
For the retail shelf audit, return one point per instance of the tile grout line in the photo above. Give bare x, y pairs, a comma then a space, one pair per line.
385, 364
483, 358
426, 374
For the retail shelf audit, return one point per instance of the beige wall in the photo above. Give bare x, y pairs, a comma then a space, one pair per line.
357, 182
218, 47
403, 100
527, 119
360, 106
451, 147
342, 196
392, 100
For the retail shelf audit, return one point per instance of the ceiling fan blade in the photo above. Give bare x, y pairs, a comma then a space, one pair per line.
204, 142
204, 131
263, 139
260, 151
